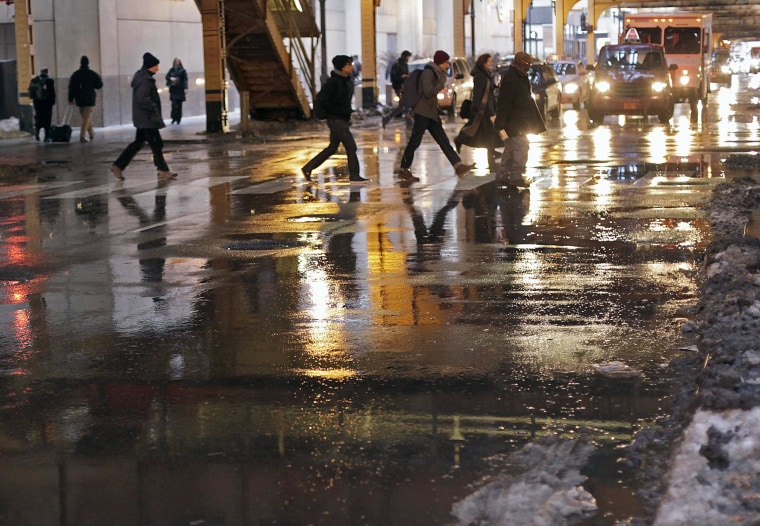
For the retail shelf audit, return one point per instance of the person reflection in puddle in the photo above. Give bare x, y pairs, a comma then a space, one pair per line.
151, 269
495, 214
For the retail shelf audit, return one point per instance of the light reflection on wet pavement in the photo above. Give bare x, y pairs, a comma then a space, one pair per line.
241, 346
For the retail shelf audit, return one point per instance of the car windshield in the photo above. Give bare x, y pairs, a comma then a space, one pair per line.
630, 58
564, 68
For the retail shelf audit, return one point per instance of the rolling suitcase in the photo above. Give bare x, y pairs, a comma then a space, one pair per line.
62, 133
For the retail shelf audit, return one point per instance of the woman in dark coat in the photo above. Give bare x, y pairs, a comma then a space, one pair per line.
176, 79
479, 131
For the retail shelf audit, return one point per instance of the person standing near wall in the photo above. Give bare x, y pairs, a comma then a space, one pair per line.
146, 116
42, 92
82, 86
176, 80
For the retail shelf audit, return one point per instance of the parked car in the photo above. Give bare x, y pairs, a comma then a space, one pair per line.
458, 86
720, 70
631, 79
546, 86
576, 85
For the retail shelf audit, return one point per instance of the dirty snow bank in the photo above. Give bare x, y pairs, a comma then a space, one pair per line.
538, 485
713, 477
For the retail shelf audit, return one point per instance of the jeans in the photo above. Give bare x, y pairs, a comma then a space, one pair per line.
434, 126
340, 133
143, 135
515, 157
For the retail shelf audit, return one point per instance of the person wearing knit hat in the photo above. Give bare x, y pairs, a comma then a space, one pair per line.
149, 61
517, 116
334, 99
146, 116
441, 57
427, 118
82, 86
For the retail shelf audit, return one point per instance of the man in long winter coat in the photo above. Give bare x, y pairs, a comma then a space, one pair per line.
146, 116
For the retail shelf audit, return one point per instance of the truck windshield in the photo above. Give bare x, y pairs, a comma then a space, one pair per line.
682, 40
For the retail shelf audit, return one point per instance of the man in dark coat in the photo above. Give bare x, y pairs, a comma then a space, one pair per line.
399, 72
82, 86
42, 93
337, 92
517, 116
146, 116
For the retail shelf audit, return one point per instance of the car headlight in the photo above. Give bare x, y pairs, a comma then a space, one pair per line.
441, 95
725, 69
571, 88
602, 86
659, 87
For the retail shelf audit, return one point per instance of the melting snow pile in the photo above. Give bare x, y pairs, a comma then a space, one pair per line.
714, 475
538, 485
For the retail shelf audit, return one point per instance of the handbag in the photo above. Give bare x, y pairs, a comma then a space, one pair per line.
465, 111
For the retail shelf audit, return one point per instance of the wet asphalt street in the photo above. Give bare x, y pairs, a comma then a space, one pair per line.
240, 346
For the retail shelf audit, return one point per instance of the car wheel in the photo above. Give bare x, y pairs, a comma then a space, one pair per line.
557, 111
577, 105
665, 117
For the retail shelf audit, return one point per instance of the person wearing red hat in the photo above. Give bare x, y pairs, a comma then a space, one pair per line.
427, 118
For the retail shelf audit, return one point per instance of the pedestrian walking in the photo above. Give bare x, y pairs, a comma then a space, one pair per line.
399, 72
479, 131
336, 95
176, 80
427, 118
146, 116
42, 92
517, 116
82, 86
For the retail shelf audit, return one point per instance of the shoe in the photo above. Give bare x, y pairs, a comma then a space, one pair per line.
462, 168
166, 174
82, 139
306, 173
406, 175
358, 179
518, 180
117, 172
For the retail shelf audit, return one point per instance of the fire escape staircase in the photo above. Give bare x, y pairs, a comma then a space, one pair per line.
270, 48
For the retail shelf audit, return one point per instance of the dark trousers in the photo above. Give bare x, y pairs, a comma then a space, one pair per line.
43, 116
143, 135
434, 126
340, 133
176, 111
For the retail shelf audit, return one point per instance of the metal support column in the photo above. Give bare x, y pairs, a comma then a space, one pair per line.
215, 57
369, 53
460, 9
24, 25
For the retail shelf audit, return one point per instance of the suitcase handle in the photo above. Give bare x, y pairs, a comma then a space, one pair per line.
67, 115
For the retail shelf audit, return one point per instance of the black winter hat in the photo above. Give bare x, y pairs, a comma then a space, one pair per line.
149, 61
84, 61
340, 61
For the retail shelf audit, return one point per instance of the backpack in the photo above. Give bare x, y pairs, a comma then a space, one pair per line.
37, 89
411, 95
320, 106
